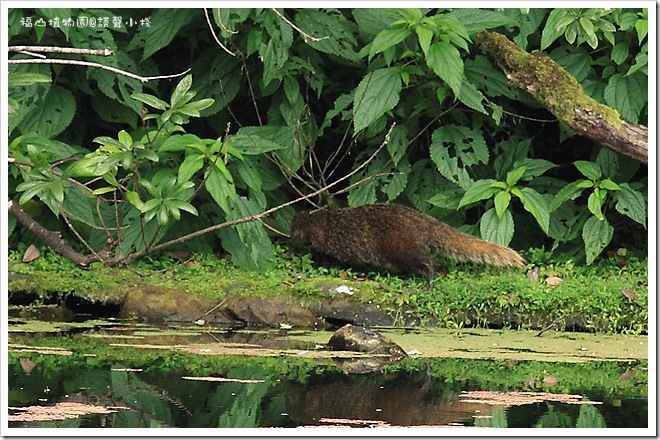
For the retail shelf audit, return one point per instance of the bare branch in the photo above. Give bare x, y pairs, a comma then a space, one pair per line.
55, 49
98, 66
215, 36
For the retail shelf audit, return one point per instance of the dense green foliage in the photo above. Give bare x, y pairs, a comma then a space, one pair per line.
292, 100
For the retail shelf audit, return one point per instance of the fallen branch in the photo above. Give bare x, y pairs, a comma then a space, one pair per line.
563, 96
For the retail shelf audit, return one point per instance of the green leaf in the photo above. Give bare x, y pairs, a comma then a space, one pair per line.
535, 204
388, 38
590, 170
642, 28
363, 194
627, 94
53, 114
445, 60
502, 200
568, 192
454, 149
26, 79
470, 96
104, 190
496, 229
631, 203
181, 90
251, 140
424, 35
165, 24
595, 203
190, 165
554, 27
480, 190
220, 188
619, 53
513, 176
477, 19
324, 23
92, 166
151, 101
608, 185
134, 199
377, 93
596, 235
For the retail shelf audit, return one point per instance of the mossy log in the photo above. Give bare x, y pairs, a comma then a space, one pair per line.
562, 95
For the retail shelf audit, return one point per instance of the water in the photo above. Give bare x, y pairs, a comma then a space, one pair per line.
157, 395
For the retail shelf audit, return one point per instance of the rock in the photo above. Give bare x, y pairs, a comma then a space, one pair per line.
354, 338
256, 312
160, 304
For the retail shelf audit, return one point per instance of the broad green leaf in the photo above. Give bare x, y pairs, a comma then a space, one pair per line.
631, 203
363, 194
619, 53
388, 38
535, 168
502, 200
513, 176
642, 28
470, 96
377, 93
134, 199
445, 60
221, 189
25, 79
190, 165
454, 149
249, 141
535, 204
568, 192
30, 189
53, 114
151, 101
495, 229
165, 24
480, 190
424, 35
627, 94
337, 32
596, 235
590, 170
595, 203
92, 166
476, 20
554, 27
181, 90
609, 185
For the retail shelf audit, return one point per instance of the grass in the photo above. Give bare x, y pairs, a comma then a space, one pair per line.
468, 296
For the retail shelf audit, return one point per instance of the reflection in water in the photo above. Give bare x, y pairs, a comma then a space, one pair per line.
151, 398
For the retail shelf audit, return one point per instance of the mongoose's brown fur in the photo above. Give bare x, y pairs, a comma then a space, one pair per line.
393, 237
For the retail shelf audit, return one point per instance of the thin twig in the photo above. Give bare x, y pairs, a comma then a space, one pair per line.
215, 37
98, 66
305, 35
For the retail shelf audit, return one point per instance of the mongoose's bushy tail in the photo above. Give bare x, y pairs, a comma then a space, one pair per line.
465, 247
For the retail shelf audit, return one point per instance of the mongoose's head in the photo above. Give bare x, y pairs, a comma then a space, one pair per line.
307, 227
